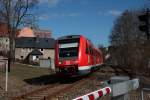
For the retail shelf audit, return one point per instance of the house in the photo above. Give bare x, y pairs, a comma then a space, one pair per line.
42, 33
29, 32
25, 32
4, 39
4, 44
34, 49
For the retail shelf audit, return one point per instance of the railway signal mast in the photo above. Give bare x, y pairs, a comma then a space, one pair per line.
145, 23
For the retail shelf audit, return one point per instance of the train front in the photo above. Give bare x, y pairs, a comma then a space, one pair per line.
66, 55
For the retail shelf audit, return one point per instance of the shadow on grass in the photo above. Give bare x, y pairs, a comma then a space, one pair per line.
52, 79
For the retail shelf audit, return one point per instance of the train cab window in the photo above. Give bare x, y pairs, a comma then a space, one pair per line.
68, 52
68, 48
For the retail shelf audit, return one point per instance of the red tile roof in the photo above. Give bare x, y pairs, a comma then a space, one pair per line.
3, 30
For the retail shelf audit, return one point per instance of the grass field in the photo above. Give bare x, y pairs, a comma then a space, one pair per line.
24, 71
19, 76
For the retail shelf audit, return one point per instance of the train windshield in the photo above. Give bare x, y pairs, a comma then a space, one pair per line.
68, 48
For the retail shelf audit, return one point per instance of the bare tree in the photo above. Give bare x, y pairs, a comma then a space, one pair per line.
15, 13
131, 45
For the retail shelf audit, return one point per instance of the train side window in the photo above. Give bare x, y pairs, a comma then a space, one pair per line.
87, 49
91, 51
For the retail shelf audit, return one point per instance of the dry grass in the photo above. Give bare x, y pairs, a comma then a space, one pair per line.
22, 72
16, 80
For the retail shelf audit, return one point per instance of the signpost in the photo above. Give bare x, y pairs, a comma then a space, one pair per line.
6, 84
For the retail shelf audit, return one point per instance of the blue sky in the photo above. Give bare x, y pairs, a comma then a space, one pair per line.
91, 18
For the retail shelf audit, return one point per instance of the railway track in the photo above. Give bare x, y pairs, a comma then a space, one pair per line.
51, 91
36, 94
58, 90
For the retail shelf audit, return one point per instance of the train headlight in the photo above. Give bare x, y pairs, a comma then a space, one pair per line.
76, 61
59, 62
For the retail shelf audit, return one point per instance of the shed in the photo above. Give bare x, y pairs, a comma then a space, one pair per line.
35, 55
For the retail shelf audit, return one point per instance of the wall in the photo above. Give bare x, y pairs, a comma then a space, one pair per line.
22, 52
4, 44
48, 53
25, 51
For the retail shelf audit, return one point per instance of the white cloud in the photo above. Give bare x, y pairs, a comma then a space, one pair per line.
114, 12
50, 2
110, 12
74, 14
65, 15
43, 17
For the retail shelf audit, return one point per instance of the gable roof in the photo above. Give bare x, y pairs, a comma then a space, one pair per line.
4, 30
26, 32
35, 52
33, 42
31, 32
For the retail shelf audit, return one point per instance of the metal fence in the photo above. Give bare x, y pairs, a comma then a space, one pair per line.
47, 63
145, 94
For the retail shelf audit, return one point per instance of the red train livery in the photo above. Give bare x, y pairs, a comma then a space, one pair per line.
76, 55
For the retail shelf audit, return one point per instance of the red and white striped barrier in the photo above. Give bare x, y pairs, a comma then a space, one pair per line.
95, 95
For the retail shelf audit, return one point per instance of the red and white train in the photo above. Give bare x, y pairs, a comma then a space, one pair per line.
76, 55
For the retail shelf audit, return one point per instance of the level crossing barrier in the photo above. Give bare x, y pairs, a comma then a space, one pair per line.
117, 87
96, 94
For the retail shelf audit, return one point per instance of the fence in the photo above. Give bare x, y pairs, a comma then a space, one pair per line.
4, 68
47, 63
145, 94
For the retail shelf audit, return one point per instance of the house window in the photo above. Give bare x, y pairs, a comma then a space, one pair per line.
37, 56
21, 57
42, 49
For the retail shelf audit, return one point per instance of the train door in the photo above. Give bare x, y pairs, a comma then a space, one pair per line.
88, 54
95, 58
91, 56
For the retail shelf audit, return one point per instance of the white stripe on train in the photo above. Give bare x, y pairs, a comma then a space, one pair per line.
88, 67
